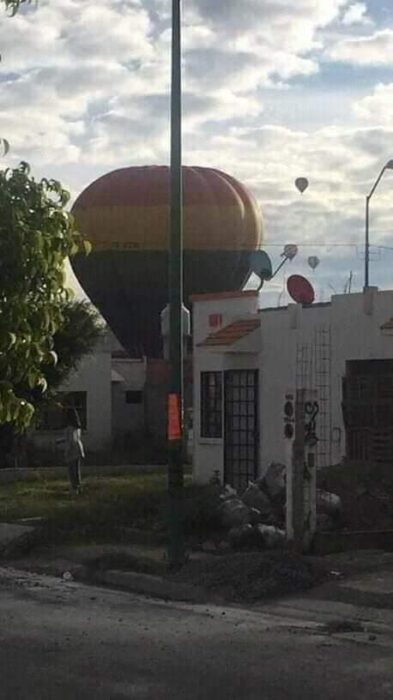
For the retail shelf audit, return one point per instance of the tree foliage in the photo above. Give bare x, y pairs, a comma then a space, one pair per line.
76, 337
36, 236
14, 5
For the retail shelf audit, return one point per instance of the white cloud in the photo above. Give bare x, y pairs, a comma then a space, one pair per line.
375, 49
106, 67
356, 14
378, 107
85, 88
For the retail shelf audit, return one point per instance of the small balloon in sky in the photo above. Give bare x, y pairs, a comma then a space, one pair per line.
290, 251
301, 184
313, 261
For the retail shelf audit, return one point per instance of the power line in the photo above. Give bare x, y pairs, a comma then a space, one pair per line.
327, 245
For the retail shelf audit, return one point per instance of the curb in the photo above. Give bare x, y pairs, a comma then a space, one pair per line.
154, 586
21, 543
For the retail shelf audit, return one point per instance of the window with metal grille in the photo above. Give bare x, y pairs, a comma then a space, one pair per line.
211, 404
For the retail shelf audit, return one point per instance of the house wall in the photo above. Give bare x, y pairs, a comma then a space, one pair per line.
283, 331
354, 324
208, 453
93, 376
230, 307
127, 418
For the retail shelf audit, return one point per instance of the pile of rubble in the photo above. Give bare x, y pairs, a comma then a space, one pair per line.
256, 518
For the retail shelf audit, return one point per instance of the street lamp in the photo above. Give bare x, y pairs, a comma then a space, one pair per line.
176, 548
387, 166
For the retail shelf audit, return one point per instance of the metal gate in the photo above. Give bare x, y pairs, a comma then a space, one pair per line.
368, 410
241, 438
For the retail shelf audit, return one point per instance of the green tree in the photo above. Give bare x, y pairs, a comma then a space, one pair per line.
36, 237
13, 5
75, 338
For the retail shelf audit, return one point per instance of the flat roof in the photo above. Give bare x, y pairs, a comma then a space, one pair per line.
224, 295
319, 304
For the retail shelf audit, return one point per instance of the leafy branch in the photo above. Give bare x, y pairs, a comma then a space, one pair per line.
14, 5
36, 237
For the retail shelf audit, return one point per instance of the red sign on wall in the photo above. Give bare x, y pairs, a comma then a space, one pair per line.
215, 320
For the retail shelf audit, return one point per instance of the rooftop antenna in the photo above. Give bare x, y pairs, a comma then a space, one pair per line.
261, 264
289, 253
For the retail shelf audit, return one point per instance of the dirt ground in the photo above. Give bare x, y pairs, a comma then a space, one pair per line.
255, 576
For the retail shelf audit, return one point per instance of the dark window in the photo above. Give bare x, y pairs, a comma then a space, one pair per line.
53, 416
211, 404
133, 397
50, 418
78, 401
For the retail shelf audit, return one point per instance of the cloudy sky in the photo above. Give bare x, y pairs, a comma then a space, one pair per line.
274, 89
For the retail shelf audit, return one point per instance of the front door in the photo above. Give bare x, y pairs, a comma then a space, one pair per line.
241, 444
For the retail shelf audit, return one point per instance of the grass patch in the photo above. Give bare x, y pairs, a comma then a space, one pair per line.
106, 507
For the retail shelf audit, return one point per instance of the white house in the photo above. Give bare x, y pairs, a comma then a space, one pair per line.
248, 360
108, 391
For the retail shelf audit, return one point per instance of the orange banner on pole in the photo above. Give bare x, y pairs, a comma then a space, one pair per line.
174, 423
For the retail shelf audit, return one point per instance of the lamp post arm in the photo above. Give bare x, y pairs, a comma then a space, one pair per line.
376, 183
367, 233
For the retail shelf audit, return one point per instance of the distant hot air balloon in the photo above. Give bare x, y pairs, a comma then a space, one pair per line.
290, 251
301, 184
313, 261
125, 216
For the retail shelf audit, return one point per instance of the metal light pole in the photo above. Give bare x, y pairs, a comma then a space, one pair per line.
388, 166
176, 550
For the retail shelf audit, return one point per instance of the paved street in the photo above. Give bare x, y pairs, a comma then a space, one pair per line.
60, 640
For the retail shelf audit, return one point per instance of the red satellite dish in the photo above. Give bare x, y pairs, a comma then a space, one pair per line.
300, 290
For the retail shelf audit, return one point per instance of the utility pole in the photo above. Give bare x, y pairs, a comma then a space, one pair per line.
387, 166
176, 550
367, 244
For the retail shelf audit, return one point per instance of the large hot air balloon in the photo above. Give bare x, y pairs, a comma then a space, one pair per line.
125, 215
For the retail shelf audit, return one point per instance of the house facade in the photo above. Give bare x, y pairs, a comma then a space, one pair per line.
249, 362
108, 391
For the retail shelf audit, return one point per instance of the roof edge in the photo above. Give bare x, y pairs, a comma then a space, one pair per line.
212, 296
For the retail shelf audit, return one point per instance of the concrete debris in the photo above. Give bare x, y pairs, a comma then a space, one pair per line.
271, 536
228, 493
234, 513
273, 482
242, 537
329, 503
256, 518
256, 499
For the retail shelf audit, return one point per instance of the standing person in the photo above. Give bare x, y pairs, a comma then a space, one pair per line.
74, 450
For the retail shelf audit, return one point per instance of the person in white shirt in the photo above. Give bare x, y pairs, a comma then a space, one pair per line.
74, 450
